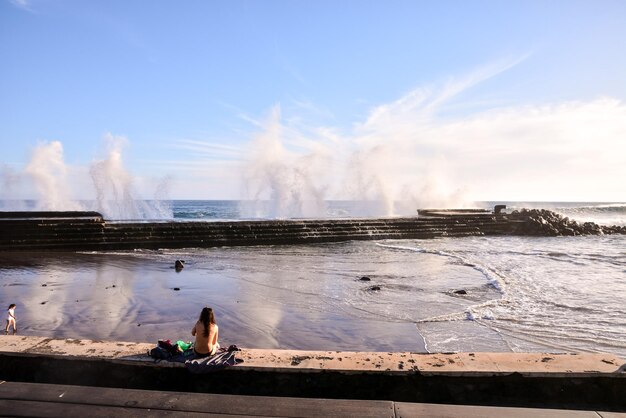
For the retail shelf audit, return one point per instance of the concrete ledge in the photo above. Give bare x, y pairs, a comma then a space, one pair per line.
574, 381
450, 364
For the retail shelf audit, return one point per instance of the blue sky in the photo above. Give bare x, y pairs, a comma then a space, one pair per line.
379, 99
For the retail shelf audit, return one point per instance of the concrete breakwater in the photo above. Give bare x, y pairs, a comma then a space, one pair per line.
71, 231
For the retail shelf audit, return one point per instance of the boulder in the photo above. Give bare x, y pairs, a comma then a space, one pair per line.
179, 265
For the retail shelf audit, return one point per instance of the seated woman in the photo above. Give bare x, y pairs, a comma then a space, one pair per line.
205, 331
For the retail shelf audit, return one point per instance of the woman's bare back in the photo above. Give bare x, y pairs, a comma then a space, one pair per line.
205, 344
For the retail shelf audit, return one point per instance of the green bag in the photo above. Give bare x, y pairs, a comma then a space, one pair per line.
183, 345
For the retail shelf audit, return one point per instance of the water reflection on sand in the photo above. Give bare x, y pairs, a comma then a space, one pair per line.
518, 294
263, 297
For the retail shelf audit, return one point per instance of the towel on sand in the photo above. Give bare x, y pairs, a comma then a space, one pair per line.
223, 358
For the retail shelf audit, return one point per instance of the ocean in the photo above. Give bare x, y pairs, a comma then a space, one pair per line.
540, 294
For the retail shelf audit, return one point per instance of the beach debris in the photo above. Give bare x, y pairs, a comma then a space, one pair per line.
374, 288
44, 285
365, 279
44, 302
460, 292
176, 289
296, 360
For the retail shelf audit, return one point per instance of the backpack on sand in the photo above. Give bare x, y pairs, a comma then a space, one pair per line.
164, 350
159, 353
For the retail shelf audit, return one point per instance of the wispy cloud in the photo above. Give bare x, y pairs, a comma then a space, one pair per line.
289, 68
22, 4
423, 103
205, 149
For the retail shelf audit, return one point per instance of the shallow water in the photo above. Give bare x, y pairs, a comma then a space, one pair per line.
523, 294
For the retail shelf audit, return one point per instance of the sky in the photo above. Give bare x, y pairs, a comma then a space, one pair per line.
435, 102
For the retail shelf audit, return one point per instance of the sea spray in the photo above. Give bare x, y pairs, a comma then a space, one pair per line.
389, 162
292, 174
288, 182
115, 191
113, 184
49, 174
366, 180
56, 184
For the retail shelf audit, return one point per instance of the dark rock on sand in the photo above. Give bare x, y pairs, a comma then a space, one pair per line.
176, 288
460, 292
179, 265
365, 279
374, 288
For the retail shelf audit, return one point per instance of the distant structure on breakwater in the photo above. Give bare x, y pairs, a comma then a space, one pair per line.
71, 231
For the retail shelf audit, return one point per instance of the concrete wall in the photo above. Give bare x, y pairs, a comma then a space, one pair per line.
569, 381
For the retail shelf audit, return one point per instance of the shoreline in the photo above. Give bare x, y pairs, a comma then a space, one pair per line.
576, 381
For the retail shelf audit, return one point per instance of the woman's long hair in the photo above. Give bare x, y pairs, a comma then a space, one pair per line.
207, 318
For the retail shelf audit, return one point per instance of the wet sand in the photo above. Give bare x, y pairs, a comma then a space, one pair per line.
131, 298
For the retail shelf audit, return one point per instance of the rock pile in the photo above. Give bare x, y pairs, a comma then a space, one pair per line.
542, 222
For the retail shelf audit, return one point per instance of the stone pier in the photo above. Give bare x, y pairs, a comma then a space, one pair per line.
89, 231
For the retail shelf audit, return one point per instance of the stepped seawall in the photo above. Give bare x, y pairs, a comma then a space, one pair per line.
32, 231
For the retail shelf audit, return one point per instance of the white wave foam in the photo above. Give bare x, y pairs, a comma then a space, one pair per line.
494, 278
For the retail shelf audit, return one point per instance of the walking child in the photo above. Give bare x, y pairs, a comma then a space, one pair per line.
11, 320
